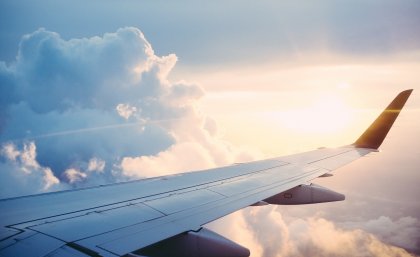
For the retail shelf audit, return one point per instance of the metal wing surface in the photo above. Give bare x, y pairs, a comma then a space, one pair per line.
119, 219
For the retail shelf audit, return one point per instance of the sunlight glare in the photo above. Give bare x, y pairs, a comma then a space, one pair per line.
327, 113
343, 85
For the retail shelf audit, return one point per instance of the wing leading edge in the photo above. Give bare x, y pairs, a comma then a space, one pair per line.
167, 213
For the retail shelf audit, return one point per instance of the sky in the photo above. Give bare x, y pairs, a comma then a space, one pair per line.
106, 91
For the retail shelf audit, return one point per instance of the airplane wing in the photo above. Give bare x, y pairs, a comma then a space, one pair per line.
163, 216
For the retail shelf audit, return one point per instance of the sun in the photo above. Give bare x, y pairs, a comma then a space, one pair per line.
327, 113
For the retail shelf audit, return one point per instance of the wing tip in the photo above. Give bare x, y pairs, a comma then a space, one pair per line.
375, 134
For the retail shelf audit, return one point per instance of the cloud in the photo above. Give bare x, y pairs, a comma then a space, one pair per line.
268, 233
236, 228
179, 157
324, 238
125, 110
402, 232
20, 173
102, 109
96, 165
73, 175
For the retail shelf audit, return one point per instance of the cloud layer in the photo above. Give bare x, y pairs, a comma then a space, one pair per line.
88, 111
270, 234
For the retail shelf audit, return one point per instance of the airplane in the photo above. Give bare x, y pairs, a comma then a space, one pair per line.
164, 216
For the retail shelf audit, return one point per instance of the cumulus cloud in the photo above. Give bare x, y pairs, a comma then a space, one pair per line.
125, 110
73, 175
179, 157
96, 165
324, 238
236, 227
20, 173
101, 109
402, 232
267, 233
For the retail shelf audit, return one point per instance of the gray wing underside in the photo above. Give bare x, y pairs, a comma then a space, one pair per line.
117, 219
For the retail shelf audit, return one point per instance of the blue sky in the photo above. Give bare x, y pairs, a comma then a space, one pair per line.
103, 91
210, 32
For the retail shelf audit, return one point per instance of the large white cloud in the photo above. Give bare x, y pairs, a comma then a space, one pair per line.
104, 104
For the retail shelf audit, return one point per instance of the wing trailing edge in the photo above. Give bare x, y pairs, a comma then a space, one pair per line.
374, 135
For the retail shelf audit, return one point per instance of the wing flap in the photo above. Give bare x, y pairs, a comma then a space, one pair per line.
179, 202
37, 245
97, 222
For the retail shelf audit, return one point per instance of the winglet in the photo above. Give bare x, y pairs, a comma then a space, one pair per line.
374, 136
